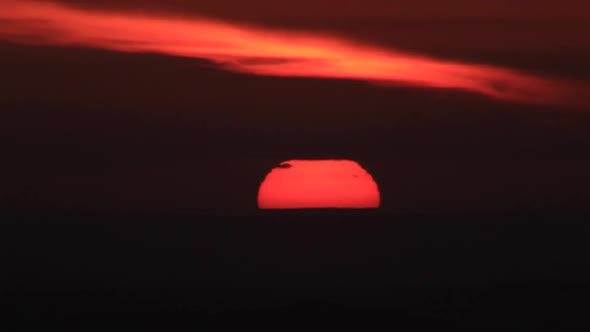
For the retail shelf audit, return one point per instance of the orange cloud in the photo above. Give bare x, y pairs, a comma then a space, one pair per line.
261, 51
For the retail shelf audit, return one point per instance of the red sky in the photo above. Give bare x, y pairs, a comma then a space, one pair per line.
472, 25
254, 9
234, 47
95, 118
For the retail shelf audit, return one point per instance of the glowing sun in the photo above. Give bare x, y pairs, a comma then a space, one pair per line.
300, 184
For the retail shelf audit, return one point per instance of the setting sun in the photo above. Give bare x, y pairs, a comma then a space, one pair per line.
300, 184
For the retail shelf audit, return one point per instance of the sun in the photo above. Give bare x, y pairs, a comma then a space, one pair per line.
308, 184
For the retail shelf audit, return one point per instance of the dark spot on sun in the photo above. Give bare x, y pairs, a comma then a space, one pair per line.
285, 165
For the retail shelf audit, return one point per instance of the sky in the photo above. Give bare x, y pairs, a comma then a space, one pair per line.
350, 9
89, 126
493, 25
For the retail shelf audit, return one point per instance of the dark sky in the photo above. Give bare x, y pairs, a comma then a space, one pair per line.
94, 130
354, 9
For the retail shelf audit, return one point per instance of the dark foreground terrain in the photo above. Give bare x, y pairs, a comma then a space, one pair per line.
290, 269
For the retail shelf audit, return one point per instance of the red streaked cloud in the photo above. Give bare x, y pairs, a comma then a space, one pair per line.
260, 51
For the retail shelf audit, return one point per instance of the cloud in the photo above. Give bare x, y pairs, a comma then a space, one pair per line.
405, 9
261, 51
